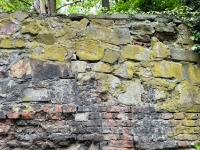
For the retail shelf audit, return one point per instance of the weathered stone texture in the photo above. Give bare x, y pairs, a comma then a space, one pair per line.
109, 82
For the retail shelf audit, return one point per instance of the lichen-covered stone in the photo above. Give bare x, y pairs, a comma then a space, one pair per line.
101, 22
89, 50
167, 69
110, 56
184, 35
19, 15
168, 28
142, 28
132, 95
102, 67
8, 43
194, 73
125, 70
134, 52
21, 69
31, 27
159, 50
121, 36
103, 33
47, 39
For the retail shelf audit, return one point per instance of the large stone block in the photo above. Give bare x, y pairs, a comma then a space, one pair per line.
89, 50
132, 95
184, 55
47, 39
135, 52
167, 69
44, 70
166, 28
110, 56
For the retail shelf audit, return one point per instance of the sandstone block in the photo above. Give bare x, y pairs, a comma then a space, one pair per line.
21, 69
194, 73
142, 28
110, 56
102, 67
135, 52
167, 69
132, 95
8, 28
125, 70
121, 36
159, 50
78, 66
186, 137
47, 39
89, 50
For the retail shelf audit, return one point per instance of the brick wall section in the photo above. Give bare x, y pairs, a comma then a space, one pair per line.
113, 82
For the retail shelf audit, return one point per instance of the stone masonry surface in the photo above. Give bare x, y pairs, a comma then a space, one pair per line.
110, 82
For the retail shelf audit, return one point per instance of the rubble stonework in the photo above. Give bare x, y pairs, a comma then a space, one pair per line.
109, 82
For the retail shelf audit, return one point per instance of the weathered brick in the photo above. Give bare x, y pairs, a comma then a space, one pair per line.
121, 143
179, 116
27, 115
118, 116
115, 109
14, 115
126, 137
55, 116
107, 115
167, 116
2, 129
109, 137
69, 108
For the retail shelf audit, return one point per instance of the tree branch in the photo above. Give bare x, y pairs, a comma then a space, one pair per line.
26, 2
68, 4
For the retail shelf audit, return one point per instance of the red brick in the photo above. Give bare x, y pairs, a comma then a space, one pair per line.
107, 115
130, 116
40, 115
58, 108
111, 123
118, 116
54, 116
126, 137
27, 115
14, 115
2, 129
167, 116
121, 143
128, 123
116, 109
109, 137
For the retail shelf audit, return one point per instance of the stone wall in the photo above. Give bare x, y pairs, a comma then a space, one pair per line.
113, 82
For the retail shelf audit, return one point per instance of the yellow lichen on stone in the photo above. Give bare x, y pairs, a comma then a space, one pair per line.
167, 69
125, 70
102, 67
194, 73
55, 52
89, 50
159, 50
6, 43
24, 107
134, 52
